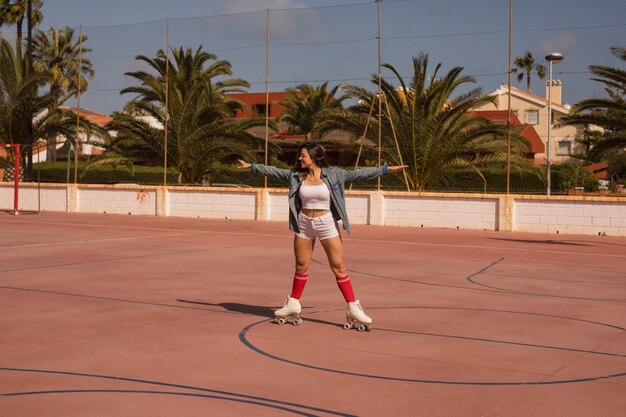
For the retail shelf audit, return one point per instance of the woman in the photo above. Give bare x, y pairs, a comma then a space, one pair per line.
316, 203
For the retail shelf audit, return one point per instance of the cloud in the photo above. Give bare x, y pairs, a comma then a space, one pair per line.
290, 20
564, 42
242, 6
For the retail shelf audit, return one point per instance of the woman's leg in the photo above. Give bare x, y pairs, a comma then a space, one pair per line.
334, 252
303, 250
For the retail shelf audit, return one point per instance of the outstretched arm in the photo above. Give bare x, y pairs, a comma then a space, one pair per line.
397, 168
267, 170
365, 174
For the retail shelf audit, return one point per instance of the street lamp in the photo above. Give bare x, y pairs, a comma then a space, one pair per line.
554, 57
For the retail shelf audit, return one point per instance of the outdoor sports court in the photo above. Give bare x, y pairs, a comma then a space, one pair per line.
108, 315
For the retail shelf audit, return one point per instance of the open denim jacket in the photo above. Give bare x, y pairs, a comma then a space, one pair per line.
334, 178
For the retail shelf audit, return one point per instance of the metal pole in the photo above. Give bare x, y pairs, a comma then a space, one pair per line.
508, 116
548, 163
379, 94
267, 86
16, 180
167, 89
29, 67
67, 171
78, 76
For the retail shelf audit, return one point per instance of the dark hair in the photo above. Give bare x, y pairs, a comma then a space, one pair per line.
317, 153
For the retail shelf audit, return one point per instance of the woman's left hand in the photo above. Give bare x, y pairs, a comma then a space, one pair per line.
397, 168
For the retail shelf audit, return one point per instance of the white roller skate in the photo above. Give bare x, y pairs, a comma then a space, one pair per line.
356, 318
289, 313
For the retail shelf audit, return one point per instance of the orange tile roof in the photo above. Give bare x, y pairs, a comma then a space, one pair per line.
527, 131
91, 115
600, 170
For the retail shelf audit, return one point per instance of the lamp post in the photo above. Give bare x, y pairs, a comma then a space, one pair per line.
554, 57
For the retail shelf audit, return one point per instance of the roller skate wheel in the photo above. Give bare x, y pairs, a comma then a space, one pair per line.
361, 327
297, 322
347, 326
281, 320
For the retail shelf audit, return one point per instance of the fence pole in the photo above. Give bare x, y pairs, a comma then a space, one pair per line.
167, 89
78, 82
267, 86
508, 115
378, 95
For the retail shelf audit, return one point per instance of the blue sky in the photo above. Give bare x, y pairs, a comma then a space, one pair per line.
336, 40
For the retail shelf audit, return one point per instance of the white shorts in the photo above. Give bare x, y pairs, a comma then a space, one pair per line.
323, 227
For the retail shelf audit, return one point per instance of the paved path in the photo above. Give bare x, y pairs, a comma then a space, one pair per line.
104, 315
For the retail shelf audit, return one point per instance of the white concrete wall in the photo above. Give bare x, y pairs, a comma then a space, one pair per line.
526, 213
278, 205
459, 212
54, 198
191, 202
571, 217
113, 200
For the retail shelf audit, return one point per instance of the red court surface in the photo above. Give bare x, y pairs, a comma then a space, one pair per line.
105, 315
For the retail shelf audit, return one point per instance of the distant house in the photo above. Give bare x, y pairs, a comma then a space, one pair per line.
255, 104
531, 109
61, 145
525, 130
93, 117
600, 170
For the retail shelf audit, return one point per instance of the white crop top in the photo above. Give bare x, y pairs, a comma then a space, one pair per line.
315, 197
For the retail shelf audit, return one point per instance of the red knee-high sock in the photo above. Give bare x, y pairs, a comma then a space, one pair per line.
299, 281
345, 286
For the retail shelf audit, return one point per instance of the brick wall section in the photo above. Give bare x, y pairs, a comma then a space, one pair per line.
278, 205
115, 200
211, 204
590, 215
441, 211
51, 196
571, 217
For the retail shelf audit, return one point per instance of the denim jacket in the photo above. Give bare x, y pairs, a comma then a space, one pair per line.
334, 178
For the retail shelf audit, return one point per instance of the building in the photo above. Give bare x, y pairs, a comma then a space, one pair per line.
255, 104
525, 130
532, 110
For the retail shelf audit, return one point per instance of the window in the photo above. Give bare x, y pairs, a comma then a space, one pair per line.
259, 109
564, 147
532, 117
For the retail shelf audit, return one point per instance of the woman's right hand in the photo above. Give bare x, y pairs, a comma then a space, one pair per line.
244, 165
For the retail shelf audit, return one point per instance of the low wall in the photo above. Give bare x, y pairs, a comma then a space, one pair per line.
525, 213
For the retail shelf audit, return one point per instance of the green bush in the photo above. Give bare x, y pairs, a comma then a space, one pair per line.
466, 181
568, 176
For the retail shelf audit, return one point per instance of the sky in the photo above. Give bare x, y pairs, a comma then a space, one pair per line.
324, 40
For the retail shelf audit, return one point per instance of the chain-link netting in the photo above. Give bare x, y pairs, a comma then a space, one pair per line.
340, 45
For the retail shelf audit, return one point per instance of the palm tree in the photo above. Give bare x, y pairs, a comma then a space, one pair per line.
526, 66
199, 117
425, 127
608, 113
14, 13
59, 53
304, 104
20, 98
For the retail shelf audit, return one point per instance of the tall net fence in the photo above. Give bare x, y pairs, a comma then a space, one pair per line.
340, 45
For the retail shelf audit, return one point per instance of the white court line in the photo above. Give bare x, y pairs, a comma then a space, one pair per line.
289, 235
76, 242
